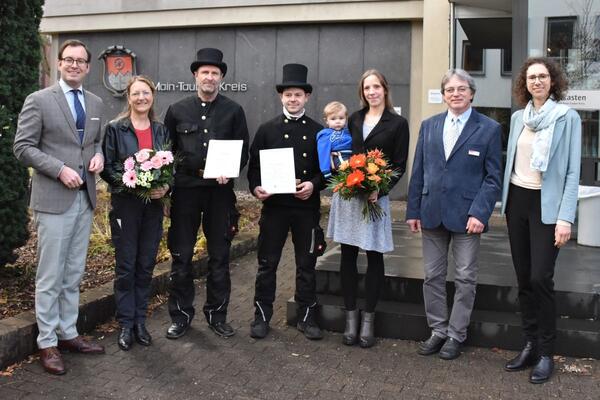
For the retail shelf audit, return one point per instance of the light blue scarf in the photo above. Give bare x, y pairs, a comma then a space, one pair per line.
542, 123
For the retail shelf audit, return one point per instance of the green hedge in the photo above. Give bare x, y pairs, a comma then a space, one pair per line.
20, 55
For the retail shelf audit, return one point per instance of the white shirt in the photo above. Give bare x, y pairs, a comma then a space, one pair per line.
70, 100
463, 118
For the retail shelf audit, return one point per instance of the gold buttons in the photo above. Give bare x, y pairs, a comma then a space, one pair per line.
286, 136
304, 137
285, 120
304, 172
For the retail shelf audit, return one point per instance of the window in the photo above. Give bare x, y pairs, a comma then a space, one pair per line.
506, 67
500, 115
560, 38
597, 34
473, 59
590, 146
589, 133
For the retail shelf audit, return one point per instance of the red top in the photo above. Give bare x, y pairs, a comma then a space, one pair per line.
144, 137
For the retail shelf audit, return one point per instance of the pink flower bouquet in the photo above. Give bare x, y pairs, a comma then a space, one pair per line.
147, 170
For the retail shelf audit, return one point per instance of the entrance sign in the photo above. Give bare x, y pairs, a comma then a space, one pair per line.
583, 99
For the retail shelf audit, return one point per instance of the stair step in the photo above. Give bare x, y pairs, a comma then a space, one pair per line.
490, 297
398, 320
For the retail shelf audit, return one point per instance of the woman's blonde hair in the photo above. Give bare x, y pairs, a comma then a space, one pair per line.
139, 78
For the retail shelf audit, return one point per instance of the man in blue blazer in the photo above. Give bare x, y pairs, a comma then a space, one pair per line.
453, 189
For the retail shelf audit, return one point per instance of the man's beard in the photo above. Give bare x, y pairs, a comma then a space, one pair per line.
208, 89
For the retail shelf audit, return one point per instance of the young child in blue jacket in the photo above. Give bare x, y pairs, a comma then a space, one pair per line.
334, 143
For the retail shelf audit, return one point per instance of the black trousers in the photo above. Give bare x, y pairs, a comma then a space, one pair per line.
275, 223
214, 208
136, 229
534, 256
374, 278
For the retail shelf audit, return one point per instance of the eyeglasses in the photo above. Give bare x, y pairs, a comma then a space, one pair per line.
541, 77
145, 93
460, 89
70, 61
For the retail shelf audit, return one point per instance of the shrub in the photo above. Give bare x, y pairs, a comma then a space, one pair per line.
20, 56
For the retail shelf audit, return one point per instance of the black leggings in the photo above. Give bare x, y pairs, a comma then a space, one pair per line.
534, 256
373, 281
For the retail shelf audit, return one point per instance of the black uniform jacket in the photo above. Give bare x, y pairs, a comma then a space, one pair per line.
390, 135
301, 134
121, 142
192, 124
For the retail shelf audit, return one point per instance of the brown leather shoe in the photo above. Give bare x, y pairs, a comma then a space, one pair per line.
52, 361
80, 345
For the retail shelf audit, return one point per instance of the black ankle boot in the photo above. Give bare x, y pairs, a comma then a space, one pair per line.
526, 358
543, 370
142, 336
125, 339
367, 329
352, 323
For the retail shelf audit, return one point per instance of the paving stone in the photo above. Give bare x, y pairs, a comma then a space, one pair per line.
285, 365
9, 393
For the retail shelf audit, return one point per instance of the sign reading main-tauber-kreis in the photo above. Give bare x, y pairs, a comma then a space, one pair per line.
119, 67
182, 86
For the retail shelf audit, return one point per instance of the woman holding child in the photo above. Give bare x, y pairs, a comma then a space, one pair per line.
375, 126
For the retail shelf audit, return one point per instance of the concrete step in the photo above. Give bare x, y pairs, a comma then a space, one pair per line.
402, 285
399, 320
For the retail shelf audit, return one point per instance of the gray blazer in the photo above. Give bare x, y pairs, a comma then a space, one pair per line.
47, 139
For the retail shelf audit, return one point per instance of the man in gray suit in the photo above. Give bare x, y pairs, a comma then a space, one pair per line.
59, 136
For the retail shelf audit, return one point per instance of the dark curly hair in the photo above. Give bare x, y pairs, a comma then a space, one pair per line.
558, 80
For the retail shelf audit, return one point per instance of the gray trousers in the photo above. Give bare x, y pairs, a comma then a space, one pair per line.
465, 249
62, 248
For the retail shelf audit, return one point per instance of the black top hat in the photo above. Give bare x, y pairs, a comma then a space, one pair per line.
294, 75
209, 56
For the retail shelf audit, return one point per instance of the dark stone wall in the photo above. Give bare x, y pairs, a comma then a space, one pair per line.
336, 56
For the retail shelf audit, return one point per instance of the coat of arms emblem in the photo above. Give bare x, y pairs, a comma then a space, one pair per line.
119, 67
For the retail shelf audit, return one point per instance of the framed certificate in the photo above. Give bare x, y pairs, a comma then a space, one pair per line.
223, 158
277, 170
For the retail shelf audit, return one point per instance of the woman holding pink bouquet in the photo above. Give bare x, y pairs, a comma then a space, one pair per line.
378, 133
138, 168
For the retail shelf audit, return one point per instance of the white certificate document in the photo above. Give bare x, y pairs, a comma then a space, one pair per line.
277, 170
223, 158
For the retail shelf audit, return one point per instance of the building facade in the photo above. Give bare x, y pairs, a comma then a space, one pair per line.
492, 38
413, 42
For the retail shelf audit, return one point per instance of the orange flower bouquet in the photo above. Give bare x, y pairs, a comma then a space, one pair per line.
361, 175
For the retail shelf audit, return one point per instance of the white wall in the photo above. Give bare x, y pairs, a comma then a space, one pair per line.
493, 89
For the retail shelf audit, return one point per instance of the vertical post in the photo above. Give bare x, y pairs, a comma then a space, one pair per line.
452, 35
520, 24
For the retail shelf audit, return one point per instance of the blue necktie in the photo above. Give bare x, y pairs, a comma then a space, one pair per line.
80, 121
